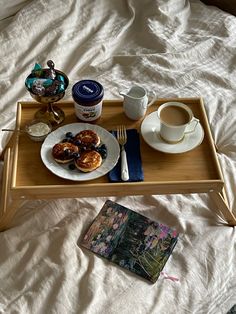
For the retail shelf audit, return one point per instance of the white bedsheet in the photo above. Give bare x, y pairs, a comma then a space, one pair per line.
175, 47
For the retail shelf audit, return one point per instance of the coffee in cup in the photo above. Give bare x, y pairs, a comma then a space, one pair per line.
174, 115
176, 120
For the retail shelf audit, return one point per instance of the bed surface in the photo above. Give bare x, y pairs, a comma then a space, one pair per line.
177, 48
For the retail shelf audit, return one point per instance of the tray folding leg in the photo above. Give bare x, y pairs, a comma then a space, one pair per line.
8, 206
222, 207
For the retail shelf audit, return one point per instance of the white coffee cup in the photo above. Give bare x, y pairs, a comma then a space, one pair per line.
176, 120
136, 102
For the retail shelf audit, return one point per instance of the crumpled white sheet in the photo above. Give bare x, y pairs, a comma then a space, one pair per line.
175, 47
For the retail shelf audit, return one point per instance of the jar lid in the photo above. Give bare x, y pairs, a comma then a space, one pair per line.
87, 91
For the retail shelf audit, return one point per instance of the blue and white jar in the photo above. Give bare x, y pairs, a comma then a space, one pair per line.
88, 95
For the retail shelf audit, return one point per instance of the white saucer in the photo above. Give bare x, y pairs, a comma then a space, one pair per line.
150, 131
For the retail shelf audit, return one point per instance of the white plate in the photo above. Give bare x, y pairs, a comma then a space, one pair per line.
150, 131
62, 170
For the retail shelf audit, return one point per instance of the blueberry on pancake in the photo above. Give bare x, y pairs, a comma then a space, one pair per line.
64, 152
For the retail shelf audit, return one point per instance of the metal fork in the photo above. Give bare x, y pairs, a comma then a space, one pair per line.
122, 139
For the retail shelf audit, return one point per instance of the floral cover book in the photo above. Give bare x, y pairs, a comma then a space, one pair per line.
131, 240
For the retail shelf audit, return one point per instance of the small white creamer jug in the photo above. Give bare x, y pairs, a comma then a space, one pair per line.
136, 102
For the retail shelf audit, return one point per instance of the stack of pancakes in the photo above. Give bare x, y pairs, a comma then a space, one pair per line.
81, 149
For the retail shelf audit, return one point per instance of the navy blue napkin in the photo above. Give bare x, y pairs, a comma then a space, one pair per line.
132, 148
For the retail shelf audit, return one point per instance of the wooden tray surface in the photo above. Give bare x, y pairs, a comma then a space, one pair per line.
199, 165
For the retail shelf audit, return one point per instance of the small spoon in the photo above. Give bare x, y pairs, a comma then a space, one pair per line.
12, 130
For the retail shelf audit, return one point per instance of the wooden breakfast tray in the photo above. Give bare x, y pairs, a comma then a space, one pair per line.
196, 171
